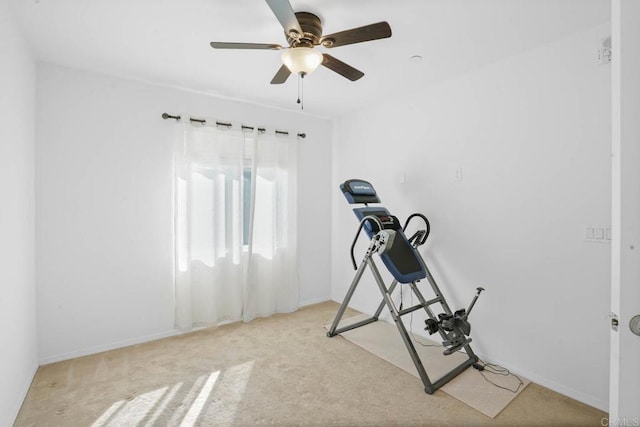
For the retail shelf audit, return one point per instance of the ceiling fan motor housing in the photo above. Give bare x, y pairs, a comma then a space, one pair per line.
311, 28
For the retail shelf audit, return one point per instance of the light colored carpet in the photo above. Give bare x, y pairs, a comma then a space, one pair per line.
383, 340
282, 371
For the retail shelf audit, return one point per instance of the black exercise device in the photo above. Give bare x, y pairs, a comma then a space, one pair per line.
401, 257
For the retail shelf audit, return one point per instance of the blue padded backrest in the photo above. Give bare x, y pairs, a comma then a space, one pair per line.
359, 191
403, 260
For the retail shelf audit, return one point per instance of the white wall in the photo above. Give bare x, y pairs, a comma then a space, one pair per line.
18, 361
531, 134
104, 206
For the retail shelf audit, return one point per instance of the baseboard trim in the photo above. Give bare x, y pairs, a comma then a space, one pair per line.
595, 402
106, 347
139, 340
314, 301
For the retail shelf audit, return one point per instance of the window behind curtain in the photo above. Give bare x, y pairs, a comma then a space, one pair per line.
236, 254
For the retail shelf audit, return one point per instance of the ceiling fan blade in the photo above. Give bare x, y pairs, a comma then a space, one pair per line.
228, 45
284, 12
341, 68
281, 76
380, 30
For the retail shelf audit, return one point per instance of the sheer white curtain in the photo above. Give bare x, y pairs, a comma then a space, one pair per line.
272, 283
235, 226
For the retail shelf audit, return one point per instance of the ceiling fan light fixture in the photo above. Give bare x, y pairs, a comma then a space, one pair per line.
301, 59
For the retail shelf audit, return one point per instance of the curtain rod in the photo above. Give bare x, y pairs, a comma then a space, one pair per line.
166, 116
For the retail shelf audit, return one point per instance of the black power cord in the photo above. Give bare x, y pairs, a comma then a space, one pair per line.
492, 368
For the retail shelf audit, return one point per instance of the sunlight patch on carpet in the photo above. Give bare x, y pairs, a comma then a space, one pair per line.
130, 411
212, 399
198, 404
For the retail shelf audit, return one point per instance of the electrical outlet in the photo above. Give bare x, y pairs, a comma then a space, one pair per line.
597, 234
589, 233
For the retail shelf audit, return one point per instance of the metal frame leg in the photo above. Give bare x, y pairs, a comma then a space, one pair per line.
333, 330
445, 307
386, 294
471, 357
429, 386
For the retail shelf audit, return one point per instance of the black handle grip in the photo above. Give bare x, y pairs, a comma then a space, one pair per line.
426, 222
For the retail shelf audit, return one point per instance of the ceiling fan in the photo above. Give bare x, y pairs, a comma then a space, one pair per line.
303, 31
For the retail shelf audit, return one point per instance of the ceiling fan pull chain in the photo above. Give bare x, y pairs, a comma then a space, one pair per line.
301, 90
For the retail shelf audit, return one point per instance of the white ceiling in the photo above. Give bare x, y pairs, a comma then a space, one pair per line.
167, 42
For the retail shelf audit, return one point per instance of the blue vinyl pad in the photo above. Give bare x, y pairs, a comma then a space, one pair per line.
403, 261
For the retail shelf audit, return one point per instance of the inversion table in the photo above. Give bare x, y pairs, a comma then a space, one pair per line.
401, 257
